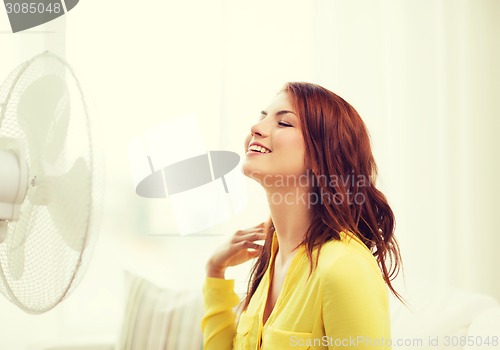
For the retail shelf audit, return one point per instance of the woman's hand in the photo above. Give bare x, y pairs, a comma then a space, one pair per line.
240, 248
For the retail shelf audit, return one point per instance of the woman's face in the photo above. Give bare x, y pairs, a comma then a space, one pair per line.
278, 130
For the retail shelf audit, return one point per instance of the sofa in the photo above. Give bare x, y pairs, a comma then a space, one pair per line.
438, 317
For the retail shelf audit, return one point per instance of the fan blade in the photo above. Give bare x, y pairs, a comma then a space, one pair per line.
17, 244
43, 113
4, 228
16, 255
68, 203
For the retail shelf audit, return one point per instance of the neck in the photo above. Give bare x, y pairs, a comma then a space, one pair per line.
291, 216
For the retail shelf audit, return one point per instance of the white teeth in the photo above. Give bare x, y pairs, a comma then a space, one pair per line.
259, 149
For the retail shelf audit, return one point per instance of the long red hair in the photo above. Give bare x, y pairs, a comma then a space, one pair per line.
337, 145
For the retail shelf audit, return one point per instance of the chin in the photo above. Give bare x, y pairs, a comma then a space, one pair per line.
252, 172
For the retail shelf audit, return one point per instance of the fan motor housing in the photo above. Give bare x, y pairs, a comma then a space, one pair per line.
13, 179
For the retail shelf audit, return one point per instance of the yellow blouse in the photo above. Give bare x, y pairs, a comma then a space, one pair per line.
343, 305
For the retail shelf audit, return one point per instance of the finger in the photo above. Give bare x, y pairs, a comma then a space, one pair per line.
260, 226
253, 253
248, 234
254, 229
248, 245
252, 237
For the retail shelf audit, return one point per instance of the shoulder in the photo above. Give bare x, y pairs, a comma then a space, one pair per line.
348, 262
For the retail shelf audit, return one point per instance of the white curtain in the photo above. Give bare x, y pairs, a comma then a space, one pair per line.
425, 77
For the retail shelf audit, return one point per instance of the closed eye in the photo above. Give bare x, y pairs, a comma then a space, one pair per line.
283, 124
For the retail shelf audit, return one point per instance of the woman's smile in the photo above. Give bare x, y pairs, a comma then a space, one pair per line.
257, 148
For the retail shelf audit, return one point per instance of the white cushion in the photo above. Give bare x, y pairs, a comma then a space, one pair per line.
158, 319
436, 312
483, 330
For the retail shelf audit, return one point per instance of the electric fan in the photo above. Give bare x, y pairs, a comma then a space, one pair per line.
47, 192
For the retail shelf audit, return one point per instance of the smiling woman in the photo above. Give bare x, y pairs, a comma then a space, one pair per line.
320, 280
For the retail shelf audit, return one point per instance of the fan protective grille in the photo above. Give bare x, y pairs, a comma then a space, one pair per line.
48, 248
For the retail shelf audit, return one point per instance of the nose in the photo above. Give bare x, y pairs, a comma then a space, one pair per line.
257, 129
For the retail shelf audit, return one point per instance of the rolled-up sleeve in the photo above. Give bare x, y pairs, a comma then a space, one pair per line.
219, 321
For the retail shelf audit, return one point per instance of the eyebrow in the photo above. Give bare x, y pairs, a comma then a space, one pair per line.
278, 113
